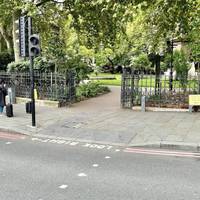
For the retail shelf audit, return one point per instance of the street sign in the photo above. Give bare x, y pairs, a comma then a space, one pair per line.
194, 100
23, 36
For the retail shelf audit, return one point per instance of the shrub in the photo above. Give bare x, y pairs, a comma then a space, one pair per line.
21, 66
181, 66
40, 63
81, 68
140, 62
90, 89
43, 65
5, 59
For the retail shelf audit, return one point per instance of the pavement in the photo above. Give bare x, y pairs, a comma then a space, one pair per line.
102, 120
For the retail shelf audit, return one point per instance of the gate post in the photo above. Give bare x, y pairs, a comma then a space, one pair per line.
132, 87
143, 103
123, 86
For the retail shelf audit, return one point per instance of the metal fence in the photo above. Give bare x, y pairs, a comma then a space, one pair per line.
49, 86
156, 89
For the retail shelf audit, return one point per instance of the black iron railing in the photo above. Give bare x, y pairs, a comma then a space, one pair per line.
157, 89
49, 86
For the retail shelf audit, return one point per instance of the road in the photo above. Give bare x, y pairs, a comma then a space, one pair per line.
47, 169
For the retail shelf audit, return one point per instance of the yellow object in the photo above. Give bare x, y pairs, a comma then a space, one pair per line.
35, 94
194, 100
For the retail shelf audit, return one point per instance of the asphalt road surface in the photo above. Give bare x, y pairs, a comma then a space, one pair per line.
49, 169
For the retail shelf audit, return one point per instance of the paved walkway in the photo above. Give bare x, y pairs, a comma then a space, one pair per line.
101, 120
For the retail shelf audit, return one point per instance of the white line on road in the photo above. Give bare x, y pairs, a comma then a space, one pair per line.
82, 174
97, 146
117, 150
8, 142
107, 157
63, 186
95, 165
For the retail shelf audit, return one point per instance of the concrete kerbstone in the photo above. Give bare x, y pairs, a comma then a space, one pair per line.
169, 145
54, 104
157, 109
179, 146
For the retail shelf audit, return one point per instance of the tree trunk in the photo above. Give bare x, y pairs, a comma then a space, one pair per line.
9, 44
7, 38
1, 43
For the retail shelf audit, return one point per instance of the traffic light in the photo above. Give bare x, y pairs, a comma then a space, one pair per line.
23, 36
34, 45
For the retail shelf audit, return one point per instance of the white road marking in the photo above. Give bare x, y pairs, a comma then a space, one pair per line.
82, 175
55, 141
95, 165
107, 157
8, 142
63, 186
74, 143
97, 146
117, 150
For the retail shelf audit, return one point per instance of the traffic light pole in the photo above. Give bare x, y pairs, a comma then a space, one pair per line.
32, 76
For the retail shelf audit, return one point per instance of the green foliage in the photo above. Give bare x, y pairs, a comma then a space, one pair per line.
166, 62
40, 63
140, 62
43, 65
121, 26
90, 89
195, 51
173, 19
5, 59
101, 57
122, 59
21, 66
81, 68
182, 66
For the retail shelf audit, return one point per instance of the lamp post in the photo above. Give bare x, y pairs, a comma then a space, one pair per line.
156, 58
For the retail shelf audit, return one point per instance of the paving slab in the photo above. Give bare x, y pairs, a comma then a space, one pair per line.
102, 119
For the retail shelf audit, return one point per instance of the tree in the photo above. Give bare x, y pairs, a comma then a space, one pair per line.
118, 25
140, 62
182, 66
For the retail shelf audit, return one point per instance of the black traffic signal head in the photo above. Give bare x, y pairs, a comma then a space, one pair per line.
34, 45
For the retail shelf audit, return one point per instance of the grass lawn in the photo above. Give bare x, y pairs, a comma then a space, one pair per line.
146, 81
116, 81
